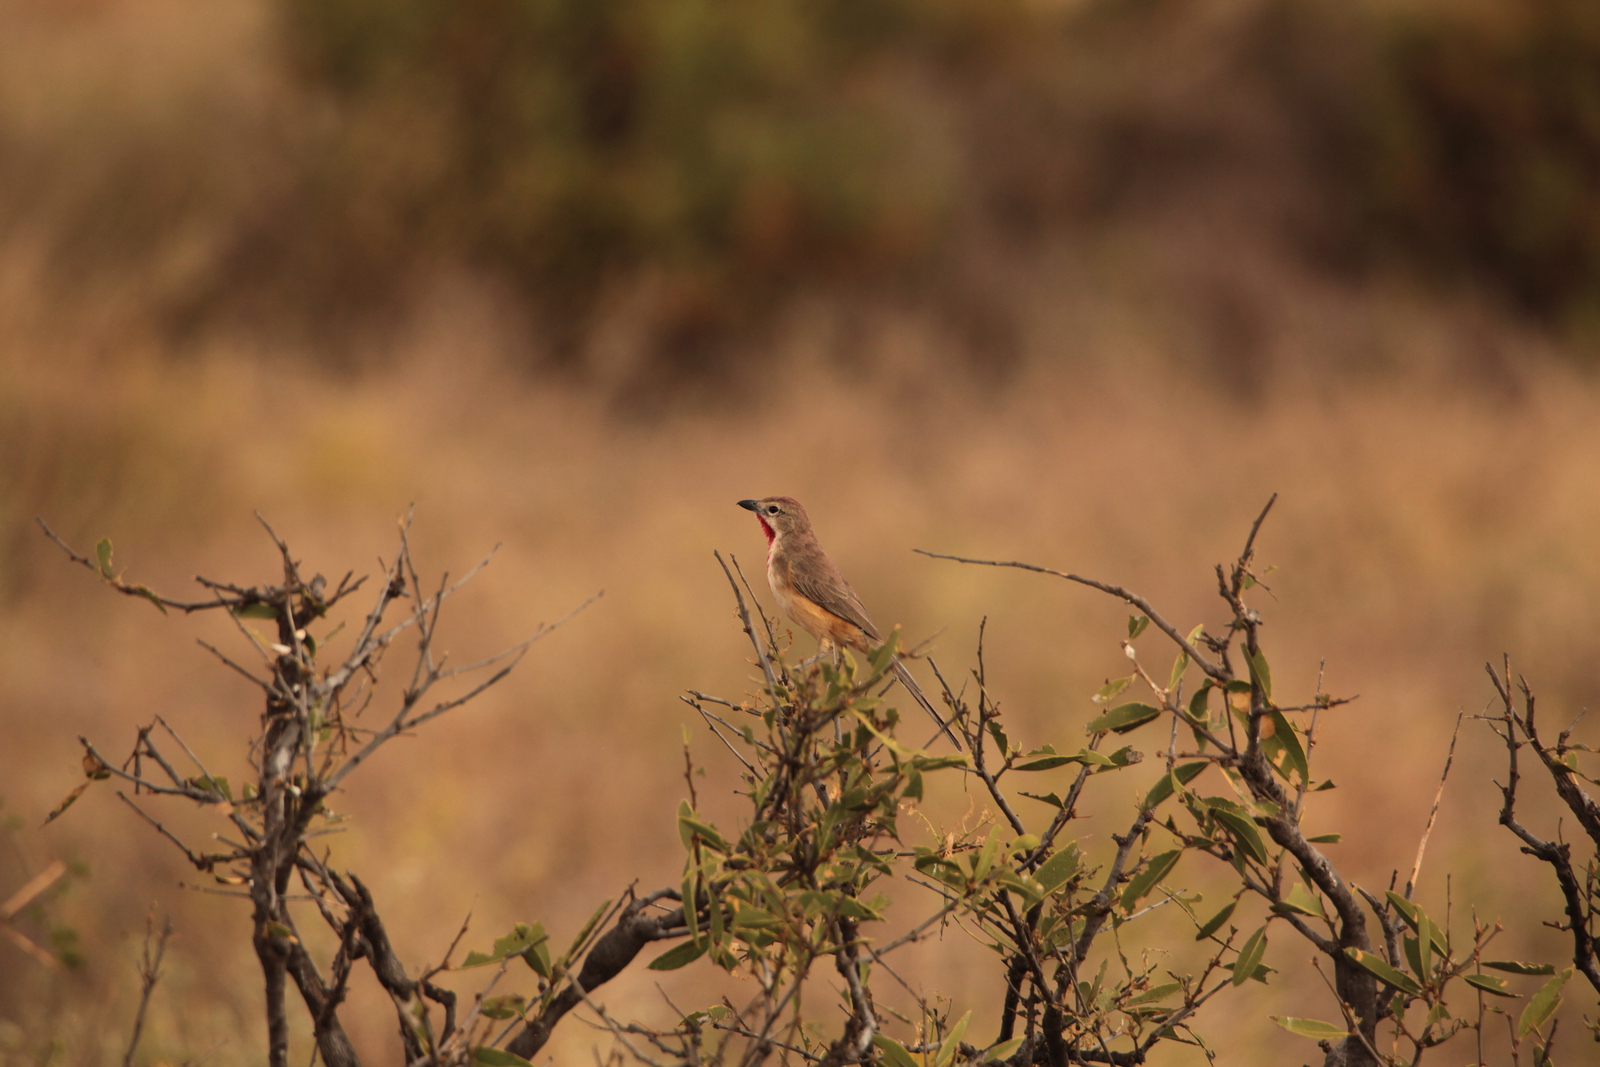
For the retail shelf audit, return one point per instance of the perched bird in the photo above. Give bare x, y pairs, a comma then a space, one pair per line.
813, 593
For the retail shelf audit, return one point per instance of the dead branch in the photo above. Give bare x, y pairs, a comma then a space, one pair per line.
149, 973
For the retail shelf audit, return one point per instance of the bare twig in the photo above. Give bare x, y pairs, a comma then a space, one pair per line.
1212, 670
767, 671
1433, 815
149, 974
138, 590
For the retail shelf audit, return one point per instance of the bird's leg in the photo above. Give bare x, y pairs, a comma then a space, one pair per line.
835, 656
825, 650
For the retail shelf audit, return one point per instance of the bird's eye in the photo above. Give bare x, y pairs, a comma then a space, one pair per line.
772, 509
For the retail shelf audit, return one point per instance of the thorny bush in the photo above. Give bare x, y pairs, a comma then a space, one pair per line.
837, 866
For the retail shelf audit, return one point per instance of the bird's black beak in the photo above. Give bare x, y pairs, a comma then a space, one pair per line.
750, 505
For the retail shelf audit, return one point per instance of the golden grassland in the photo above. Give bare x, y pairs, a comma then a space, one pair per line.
1438, 505
1422, 528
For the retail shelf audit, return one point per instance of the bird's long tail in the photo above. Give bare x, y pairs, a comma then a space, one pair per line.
917, 694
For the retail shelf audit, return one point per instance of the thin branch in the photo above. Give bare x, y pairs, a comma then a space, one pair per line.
140, 591
149, 974
181, 744
750, 631
185, 790
400, 724
266, 688
1212, 670
711, 725
1255, 528
1422, 845
201, 861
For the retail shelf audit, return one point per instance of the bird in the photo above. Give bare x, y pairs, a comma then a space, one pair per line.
812, 592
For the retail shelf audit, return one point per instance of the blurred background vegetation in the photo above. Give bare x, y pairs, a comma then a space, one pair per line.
1077, 281
300, 169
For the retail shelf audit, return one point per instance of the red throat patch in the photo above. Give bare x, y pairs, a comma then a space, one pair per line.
766, 530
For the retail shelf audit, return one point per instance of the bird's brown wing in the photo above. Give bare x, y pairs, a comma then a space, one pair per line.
821, 583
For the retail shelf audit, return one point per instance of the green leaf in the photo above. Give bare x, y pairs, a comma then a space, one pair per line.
986, 856
212, 785
498, 1057
588, 928
1432, 935
1543, 1005
1058, 869
1179, 665
1020, 884
521, 938
1123, 718
1294, 755
1046, 763
1136, 625
1003, 1051
1047, 798
894, 1053
1213, 924
754, 918
1250, 954
937, 763
1417, 954
150, 595
256, 610
102, 553
538, 960
1489, 984
1002, 742
1260, 671
1150, 996
70, 799
1325, 839
952, 1043
277, 929
1408, 911
1049, 758
1199, 709
882, 657
1515, 967
689, 827
504, 1006
679, 956
1418, 920
1315, 1029
1112, 688
1244, 832
1168, 783
1146, 880
1379, 968
1300, 900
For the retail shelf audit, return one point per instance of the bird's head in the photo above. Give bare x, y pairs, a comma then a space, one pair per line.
778, 515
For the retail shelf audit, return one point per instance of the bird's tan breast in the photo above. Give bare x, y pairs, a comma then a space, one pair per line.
824, 625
